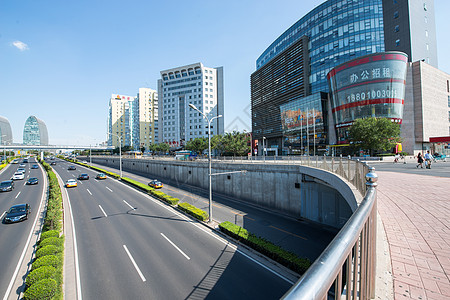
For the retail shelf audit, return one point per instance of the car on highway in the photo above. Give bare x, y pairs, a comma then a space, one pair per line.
17, 213
72, 168
18, 176
15, 161
53, 163
71, 183
22, 165
83, 176
25, 160
32, 180
21, 170
100, 176
6, 186
156, 184
35, 167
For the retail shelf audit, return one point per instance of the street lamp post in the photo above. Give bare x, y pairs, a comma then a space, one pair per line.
120, 152
209, 154
264, 148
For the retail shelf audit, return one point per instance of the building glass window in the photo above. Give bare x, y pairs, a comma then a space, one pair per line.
397, 28
395, 14
397, 43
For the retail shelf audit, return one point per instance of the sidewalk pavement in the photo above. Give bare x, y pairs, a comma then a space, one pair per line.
415, 213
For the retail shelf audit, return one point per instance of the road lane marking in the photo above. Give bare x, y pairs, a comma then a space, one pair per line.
18, 195
213, 235
129, 205
102, 210
288, 232
109, 189
184, 254
3, 214
134, 264
89, 192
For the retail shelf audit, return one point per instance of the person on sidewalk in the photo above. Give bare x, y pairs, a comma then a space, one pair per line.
419, 160
428, 159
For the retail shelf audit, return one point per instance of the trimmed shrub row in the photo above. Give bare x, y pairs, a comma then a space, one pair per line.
46, 276
284, 257
193, 211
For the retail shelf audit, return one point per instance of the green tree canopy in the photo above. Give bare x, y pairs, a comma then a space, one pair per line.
197, 145
375, 134
236, 143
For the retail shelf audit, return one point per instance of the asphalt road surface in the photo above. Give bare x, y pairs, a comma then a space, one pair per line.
131, 246
13, 237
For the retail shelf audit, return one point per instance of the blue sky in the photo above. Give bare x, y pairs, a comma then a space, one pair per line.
61, 60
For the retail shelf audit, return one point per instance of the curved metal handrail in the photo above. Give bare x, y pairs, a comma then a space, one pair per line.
349, 260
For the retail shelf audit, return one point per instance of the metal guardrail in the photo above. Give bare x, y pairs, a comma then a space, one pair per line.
347, 266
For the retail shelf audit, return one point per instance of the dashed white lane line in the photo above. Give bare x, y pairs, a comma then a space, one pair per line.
101, 208
175, 246
3, 214
129, 205
89, 192
109, 189
134, 264
17, 195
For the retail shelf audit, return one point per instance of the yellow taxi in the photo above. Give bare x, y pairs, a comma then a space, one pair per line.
71, 183
100, 176
156, 184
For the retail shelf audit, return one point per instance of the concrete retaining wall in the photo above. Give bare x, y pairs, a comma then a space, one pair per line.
298, 191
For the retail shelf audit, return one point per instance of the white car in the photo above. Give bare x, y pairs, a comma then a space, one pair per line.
20, 170
18, 176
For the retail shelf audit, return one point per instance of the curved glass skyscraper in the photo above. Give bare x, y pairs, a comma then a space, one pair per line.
5, 132
35, 132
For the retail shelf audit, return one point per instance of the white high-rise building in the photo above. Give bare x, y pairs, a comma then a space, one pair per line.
147, 123
181, 86
134, 119
120, 120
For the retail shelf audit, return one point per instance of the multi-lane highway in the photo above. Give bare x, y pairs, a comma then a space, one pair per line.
132, 246
14, 237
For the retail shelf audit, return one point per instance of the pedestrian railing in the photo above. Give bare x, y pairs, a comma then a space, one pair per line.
347, 266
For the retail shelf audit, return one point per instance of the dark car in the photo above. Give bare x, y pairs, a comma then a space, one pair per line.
35, 167
83, 176
17, 213
53, 163
72, 168
6, 186
32, 180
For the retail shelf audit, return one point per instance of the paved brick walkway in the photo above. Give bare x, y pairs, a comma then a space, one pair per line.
415, 211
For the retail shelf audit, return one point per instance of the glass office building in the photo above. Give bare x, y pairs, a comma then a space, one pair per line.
370, 86
5, 132
338, 31
304, 123
35, 132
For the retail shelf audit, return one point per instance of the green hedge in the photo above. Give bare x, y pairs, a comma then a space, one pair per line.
56, 241
50, 233
43, 289
284, 257
39, 274
193, 211
48, 250
48, 260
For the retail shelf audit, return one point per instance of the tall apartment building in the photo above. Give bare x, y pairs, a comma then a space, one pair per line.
120, 118
146, 125
191, 84
134, 119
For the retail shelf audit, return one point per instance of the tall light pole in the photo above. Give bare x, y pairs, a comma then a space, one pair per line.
209, 154
120, 151
264, 148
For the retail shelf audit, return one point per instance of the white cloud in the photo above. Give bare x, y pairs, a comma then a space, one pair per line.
20, 45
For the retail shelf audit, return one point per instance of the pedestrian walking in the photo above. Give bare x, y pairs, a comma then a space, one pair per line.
428, 159
419, 160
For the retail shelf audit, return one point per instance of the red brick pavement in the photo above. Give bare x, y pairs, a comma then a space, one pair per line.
415, 211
